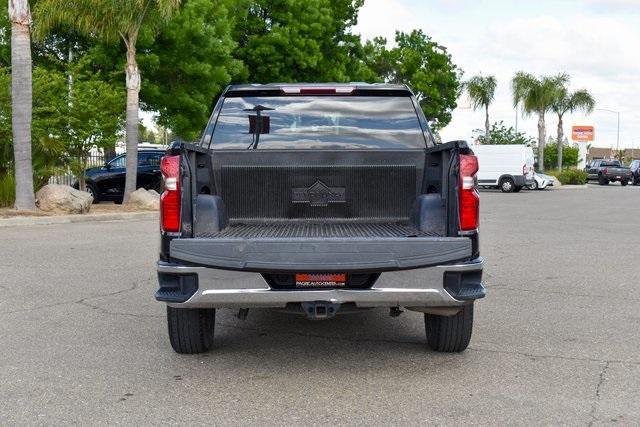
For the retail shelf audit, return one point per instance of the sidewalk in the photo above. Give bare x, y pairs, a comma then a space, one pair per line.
66, 219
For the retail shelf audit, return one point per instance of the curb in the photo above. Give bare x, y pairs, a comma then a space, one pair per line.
67, 219
571, 187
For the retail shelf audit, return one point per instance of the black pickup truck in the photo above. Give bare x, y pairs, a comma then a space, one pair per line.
319, 200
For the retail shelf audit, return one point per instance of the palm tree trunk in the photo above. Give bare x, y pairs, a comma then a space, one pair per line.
131, 126
541, 140
486, 124
560, 141
21, 102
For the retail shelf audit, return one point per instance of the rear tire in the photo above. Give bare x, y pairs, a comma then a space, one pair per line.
602, 180
624, 182
450, 334
507, 185
191, 329
533, 186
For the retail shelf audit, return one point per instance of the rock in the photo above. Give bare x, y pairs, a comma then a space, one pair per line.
143, 199
63, 199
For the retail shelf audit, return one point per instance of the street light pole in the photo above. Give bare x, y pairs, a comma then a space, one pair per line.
618, 132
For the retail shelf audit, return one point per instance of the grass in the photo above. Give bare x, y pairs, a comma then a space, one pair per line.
7, 189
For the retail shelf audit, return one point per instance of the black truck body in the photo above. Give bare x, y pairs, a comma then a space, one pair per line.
319, 199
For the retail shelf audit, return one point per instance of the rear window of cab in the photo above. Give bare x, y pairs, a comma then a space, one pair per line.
318, 122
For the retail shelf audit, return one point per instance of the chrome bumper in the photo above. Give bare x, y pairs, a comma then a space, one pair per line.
422, 287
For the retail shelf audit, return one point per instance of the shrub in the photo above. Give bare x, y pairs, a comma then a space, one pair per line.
572, 177
7, 189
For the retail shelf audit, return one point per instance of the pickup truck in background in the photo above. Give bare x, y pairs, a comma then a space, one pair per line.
606, 171
319, 200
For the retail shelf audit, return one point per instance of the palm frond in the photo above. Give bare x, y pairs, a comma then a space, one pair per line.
481, 90
106, 19
582, 100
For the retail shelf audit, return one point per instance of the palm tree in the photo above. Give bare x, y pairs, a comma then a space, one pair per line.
481, 90
537, 96
570, 102
112, 20
21, 102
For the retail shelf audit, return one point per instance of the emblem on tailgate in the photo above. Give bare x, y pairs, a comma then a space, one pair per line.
319, 194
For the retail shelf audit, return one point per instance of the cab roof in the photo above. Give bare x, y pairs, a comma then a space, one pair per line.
353, 88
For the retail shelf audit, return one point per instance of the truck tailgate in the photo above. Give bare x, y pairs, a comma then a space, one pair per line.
320, 247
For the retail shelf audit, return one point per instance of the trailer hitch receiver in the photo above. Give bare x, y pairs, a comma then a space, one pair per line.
320, 310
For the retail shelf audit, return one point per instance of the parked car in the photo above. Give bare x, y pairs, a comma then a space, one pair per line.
107, 182
606, 171
634, 167
507, 167
319, 200
540, 182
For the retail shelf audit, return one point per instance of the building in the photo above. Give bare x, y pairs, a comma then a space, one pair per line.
609, 153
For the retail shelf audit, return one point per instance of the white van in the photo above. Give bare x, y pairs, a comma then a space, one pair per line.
507, 167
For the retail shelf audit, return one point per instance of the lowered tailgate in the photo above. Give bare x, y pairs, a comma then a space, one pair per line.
364, 247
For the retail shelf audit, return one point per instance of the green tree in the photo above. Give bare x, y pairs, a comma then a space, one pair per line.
564, 102
570, 154
296, 41
621, 155
94, 118
537, 96
21, 100
500, 134
48, 150
112, 20
188, 65
423, 65
481, 90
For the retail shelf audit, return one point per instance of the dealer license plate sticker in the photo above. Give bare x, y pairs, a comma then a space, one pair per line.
321, 280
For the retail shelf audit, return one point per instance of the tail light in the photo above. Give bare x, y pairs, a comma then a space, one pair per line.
606, 171
170, 198
469, 198
524, 169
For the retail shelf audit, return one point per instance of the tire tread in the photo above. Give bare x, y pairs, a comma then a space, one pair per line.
449, 333
190, 330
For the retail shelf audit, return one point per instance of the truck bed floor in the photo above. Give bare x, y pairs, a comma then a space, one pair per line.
337, 230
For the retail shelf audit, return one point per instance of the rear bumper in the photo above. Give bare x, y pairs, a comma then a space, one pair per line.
621, 177
438, 286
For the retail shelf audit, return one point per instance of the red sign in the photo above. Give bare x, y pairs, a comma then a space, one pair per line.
320, 280
582, 133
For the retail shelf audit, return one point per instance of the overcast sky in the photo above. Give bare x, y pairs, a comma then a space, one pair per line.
596, 41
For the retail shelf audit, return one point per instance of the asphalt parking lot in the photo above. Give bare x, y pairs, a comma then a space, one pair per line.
556, 341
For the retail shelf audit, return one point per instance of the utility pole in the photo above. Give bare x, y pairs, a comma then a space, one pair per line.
618, 131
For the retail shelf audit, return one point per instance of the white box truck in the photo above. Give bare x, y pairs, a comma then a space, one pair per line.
507, 167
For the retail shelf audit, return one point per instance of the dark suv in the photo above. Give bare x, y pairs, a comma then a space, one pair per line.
635, 172
107, 182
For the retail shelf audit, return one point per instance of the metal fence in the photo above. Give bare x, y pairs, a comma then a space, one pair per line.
68, 178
